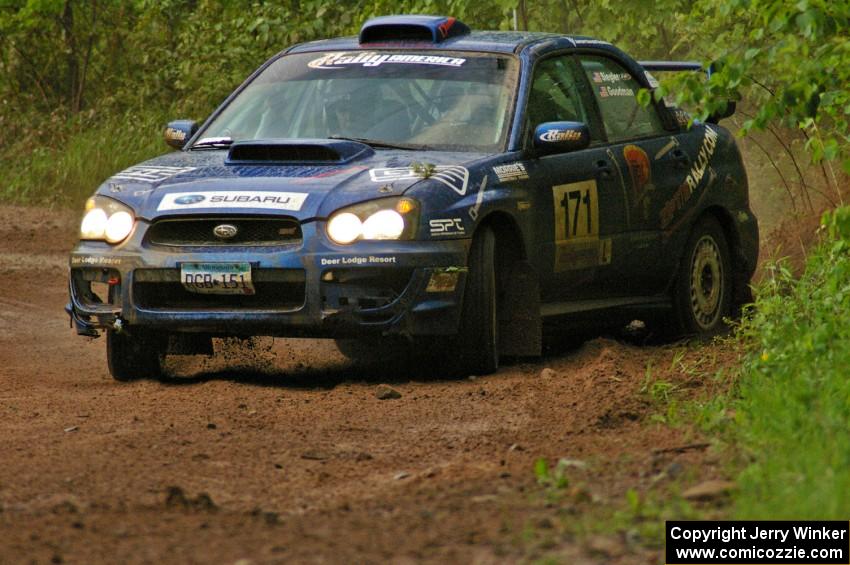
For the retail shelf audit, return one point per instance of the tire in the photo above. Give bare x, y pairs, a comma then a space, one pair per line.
702, 294
477, 345
136, 355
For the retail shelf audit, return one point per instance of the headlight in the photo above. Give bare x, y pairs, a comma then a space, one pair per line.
387, 218
106, 219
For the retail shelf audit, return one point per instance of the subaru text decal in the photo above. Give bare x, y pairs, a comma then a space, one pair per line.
233, 199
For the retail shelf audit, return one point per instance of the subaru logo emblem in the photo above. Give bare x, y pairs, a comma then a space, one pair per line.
189, 199
225, 231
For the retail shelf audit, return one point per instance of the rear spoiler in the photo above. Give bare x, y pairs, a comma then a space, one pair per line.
679, 66
671, 65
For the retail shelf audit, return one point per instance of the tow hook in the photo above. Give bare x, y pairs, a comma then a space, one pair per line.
118, 325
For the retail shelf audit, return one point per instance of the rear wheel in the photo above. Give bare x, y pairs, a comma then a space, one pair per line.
136, 355
703, 290
478, 336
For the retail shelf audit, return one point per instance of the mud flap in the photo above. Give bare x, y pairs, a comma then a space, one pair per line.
520, 325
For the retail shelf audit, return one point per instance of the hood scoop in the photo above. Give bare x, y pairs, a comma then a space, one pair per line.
296, 152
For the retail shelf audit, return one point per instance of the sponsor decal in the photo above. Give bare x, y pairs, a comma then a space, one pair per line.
591, 42
444, 280
479, 199
175, 134
671, 145
605, 251
653, 82
640, 172
447, 226
94, 260
232, 199
358, 260
144, 173
142, 192
454, 177
693, 180
603, 76
374, 59
616, 92
511, 172
551, 135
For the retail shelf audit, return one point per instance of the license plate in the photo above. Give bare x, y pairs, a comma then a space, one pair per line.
217, 278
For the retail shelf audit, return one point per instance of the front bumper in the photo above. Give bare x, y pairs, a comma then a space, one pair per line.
312, 289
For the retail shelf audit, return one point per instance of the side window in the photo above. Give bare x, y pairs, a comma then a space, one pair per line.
554, 95
616, 95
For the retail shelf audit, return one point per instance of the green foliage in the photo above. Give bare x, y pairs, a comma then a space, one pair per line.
788, 58
793, 411
61, 59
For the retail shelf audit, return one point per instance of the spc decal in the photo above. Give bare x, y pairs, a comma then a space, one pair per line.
446, 226
576, 225
145, 173
693, 180
454, 177
233, 199
374, 59
511, 172
641, 175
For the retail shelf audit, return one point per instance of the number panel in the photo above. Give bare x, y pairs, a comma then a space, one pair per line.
577, 244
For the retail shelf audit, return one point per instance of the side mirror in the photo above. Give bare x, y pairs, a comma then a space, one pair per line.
727, 111
560, 137
178, 132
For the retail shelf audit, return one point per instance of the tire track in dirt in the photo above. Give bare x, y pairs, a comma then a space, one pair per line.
281, 452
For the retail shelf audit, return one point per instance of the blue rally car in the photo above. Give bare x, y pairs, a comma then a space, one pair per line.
424, 181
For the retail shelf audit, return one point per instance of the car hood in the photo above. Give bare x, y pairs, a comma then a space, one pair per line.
203, 182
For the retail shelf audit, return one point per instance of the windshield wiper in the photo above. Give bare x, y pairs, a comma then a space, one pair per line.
213, 143
379, 143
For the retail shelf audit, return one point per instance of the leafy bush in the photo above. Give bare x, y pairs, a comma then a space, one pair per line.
793, 407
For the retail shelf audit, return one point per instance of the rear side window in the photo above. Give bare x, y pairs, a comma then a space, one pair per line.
616, 91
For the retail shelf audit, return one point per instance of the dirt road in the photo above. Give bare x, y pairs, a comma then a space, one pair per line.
282, 452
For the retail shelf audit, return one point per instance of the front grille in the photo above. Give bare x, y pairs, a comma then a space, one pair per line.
201, 232
276, 289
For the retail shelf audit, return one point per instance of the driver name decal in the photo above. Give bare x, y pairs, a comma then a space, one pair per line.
373, 59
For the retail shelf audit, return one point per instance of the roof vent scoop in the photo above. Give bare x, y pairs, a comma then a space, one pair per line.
433, 29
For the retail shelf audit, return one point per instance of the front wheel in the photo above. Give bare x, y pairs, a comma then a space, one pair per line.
478, 338
703, 290
136, 355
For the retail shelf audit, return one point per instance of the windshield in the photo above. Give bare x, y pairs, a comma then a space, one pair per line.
440, 100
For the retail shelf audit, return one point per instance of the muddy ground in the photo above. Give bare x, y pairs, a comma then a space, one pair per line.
281, 452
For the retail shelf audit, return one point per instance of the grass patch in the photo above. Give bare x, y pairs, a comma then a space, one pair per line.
793, 398
69, 159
